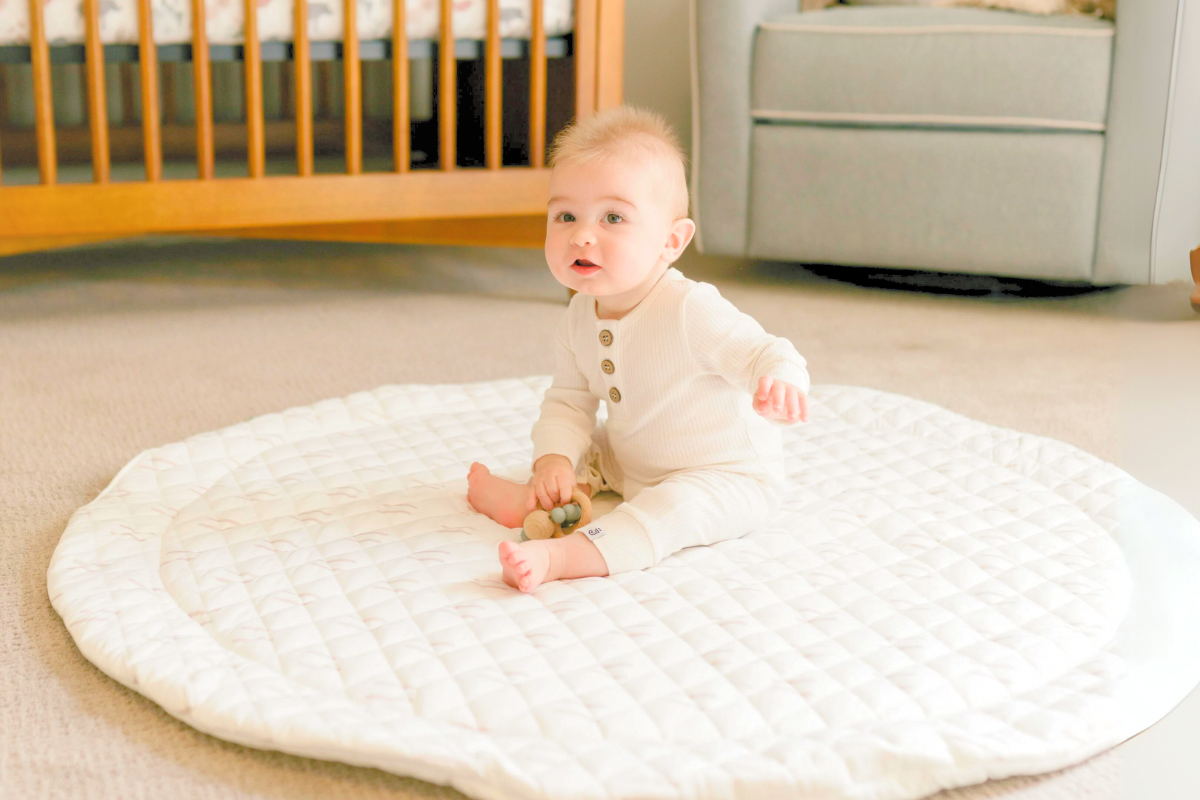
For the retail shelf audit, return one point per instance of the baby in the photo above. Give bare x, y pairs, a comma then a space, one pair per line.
696, 390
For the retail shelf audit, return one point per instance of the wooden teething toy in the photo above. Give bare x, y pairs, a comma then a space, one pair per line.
558, 521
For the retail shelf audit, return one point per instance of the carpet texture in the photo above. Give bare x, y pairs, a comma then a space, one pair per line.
105, 352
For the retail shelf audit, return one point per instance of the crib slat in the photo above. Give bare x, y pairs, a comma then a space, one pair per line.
96, 104
256, 153
202, 80
352, 82
148, 61
302, 64
400, 119
537, 85
43, 100
585, 57
610, 49
493, 80
447, 90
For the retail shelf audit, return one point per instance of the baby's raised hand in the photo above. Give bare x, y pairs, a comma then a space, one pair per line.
776, 399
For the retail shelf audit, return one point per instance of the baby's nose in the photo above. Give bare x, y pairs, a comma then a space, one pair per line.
582, 235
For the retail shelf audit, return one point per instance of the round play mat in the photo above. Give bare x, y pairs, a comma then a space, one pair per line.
938, 602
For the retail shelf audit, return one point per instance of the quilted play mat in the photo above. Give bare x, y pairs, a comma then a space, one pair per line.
937, 603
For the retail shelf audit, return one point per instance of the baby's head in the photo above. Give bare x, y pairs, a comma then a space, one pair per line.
618, 201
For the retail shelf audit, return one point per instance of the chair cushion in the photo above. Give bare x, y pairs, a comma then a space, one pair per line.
953, 67
993, 202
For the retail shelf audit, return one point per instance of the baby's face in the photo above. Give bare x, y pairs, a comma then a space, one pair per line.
609, 224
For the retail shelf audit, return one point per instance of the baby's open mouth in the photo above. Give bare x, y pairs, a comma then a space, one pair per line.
583, 262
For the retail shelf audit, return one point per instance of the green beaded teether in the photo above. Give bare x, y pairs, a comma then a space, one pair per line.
560, 520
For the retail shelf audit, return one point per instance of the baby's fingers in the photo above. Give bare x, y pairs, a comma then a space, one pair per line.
779, 396
566, 485
764, 388
763, 407
793, 406
543, 493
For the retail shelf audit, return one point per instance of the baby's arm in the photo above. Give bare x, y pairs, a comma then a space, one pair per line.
568, 412
732, 344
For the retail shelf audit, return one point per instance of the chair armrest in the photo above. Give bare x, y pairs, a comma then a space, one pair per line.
722, 42
1150, 191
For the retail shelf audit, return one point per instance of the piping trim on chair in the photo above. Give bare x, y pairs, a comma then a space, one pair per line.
693, 58
869, 30
946, 120
1166, 143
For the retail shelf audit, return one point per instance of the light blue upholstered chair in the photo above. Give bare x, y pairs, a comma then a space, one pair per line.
950, 139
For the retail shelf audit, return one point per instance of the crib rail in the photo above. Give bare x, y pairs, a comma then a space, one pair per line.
207, 203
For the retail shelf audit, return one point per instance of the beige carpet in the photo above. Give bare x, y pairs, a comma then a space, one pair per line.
107, 352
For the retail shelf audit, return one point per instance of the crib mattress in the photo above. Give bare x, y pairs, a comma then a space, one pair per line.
938, 602
173, 20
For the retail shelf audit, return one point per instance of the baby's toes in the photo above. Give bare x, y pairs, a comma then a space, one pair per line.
508, 550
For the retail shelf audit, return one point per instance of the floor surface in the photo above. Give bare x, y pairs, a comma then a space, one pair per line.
108, 351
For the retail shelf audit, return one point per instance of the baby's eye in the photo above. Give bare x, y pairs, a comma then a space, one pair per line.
612, 219
566, 216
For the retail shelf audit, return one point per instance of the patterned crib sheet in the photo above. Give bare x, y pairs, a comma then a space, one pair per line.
225, 23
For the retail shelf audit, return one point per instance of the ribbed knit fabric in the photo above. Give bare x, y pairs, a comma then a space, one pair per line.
694, 462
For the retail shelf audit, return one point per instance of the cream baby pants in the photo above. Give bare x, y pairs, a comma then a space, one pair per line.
683, 509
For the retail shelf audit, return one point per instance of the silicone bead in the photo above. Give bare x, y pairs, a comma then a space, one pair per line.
524, 536
573, 512
558, 515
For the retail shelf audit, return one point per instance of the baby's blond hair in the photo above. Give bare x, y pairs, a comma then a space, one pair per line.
626, 130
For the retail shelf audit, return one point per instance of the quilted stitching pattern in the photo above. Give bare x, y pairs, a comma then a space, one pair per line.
935, 605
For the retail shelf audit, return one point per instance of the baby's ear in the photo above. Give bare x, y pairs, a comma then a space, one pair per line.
680, 235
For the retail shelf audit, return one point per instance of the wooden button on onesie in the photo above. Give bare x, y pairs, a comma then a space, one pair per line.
694, 462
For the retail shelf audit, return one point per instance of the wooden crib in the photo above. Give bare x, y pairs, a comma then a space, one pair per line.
494, 195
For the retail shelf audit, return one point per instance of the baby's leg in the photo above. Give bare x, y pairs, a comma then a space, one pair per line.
529, 564
502, 500
702, 506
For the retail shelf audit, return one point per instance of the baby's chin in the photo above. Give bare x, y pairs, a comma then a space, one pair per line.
593, 284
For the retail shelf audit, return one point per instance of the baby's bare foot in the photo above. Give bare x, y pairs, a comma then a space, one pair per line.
502, 500
525, 565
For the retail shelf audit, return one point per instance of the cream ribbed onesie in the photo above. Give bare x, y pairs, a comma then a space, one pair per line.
682, 444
